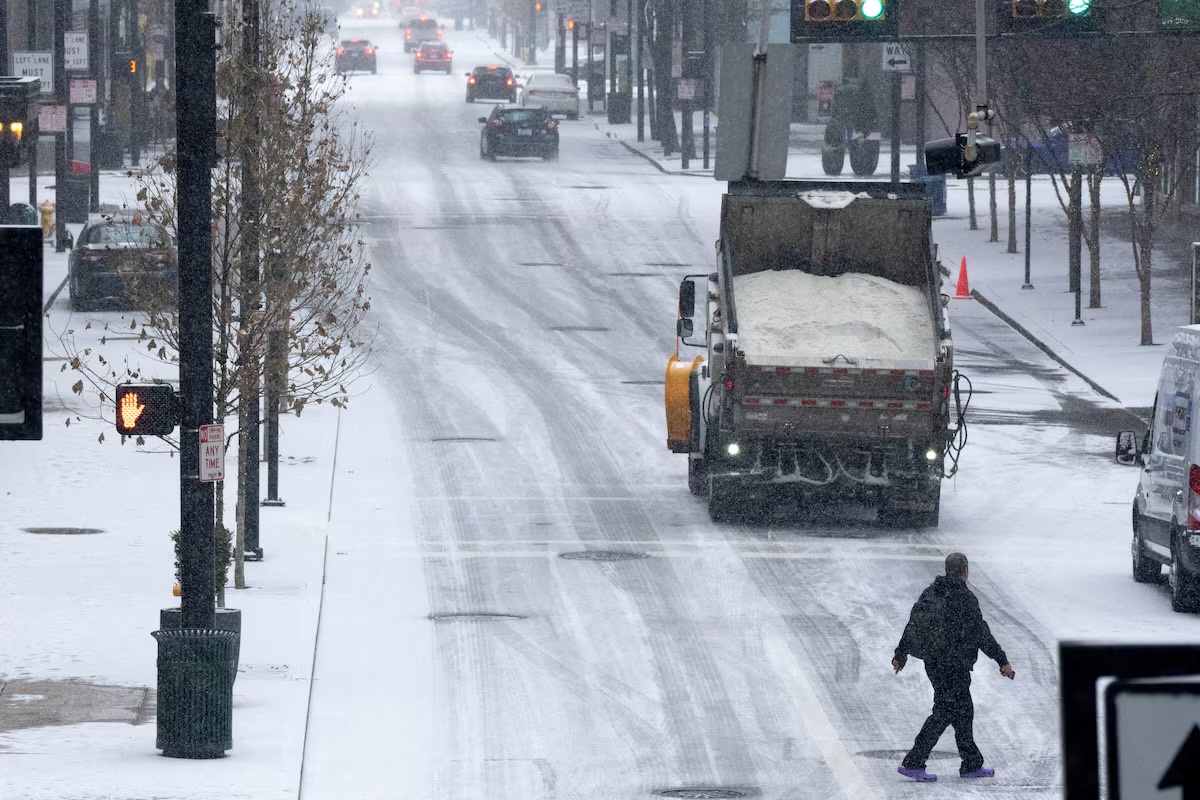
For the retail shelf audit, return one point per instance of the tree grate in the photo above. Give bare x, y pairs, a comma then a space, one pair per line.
64, 531
604, 555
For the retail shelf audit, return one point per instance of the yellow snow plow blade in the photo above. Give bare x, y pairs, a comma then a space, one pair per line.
679, 408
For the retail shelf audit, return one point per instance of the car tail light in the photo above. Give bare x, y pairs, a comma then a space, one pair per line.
341, 51
1193, 497
369, 51
495, 124
408, 34
449, 53
508, 82
439, 34
420, 54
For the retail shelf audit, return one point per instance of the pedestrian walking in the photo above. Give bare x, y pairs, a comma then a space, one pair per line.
946, 630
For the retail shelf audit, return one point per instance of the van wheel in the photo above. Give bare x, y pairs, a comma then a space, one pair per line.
1185, 594
1145, 569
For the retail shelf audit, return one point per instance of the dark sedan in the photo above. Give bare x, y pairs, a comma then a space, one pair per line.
491, 82
355, 55
122, 261
517, 131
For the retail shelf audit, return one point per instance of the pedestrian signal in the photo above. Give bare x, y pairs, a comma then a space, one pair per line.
146, 409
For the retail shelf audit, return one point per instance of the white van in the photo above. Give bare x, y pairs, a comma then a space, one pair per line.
1166, 508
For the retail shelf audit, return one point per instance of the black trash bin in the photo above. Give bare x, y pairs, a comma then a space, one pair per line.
196, 668
74, 197
225, 619
21, 214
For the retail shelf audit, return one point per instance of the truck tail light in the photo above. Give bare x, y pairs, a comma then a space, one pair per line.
471, 79
508, 82
1193, 506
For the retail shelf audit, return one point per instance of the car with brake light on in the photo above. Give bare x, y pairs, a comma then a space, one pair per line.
120, 259
434, 55
491, 82
420, 30
516, 131
355, 55
552, 91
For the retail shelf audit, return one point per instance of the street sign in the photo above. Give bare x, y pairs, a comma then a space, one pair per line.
83, 92
36, 64
75, 46
1153, 737
212, 453
1084, 148
52, 119
896, 58
908, 87
691, 89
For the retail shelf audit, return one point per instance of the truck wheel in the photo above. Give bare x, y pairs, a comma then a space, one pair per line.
832, 159
1145, 569
864, 156
1185, 594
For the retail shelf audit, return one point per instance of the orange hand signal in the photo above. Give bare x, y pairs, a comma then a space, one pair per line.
131, 410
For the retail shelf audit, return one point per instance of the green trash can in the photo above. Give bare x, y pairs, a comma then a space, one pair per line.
196, 668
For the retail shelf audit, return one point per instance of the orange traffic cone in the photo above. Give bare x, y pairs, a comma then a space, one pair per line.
963, 290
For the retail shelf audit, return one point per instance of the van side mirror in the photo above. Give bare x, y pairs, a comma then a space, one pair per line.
483, 120
687, 299
684, 328
1128, 453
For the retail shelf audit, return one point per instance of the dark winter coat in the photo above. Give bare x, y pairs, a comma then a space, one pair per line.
967, 632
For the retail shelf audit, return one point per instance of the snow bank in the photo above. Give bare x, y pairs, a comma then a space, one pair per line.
791, 316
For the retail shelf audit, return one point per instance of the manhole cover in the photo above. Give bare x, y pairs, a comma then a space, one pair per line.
605, 555
701, 794
475, 617
63, 531
462, 439
898, 755
578, 329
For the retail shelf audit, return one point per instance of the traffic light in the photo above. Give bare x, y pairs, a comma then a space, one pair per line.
146, 409
844, 20
1048, 17
570, 24
949, 156
16, 107
21, 332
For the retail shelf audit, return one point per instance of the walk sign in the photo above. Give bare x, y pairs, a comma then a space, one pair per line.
212, 453
1153, 738
896, 58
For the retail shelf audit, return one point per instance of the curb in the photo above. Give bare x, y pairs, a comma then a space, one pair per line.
1039, 344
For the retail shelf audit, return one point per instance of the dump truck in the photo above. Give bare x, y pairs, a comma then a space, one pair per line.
827, 372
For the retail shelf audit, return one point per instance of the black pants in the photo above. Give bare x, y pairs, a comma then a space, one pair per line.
952, 706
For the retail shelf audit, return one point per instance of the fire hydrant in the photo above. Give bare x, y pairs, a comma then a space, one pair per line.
47, 209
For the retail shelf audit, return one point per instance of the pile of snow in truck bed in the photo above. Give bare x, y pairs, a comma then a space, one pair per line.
790, 316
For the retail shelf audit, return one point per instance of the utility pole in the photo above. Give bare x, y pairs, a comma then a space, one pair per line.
93, 39
250, 299
276, 369
1075, 245
62, 18
31, 9
4, 179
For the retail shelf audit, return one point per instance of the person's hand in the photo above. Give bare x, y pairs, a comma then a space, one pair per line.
897, 665
1007, 671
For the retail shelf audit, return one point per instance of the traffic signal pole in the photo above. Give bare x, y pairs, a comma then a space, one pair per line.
62, 18
195, 69
31, 42
4, 190
93, 36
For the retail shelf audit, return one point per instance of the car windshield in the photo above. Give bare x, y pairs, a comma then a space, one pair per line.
118, 232
523, 116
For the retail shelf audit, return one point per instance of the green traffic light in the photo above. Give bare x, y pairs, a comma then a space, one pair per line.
873, 9
1079, 8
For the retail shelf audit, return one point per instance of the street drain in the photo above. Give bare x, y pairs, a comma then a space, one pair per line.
462, 439
578, 329
605, 555
633, 274
700, 793
475, 617
898, 755
63, 531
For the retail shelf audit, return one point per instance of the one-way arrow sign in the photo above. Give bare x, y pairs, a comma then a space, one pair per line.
1184, 771
1153, 732
896, 58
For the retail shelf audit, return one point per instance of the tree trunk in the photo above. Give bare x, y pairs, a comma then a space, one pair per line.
664, 35
1145, 239
239, 545
974, 223
1012, 208
1092, 237
994, 232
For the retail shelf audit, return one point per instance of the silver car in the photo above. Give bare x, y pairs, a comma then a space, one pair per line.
553, 92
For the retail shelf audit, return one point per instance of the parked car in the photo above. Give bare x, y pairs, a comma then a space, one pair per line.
1166, 505
433, 55
518, 131
355, 55
552, 91
119, 259
491, 82
420, 30
1052, 154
